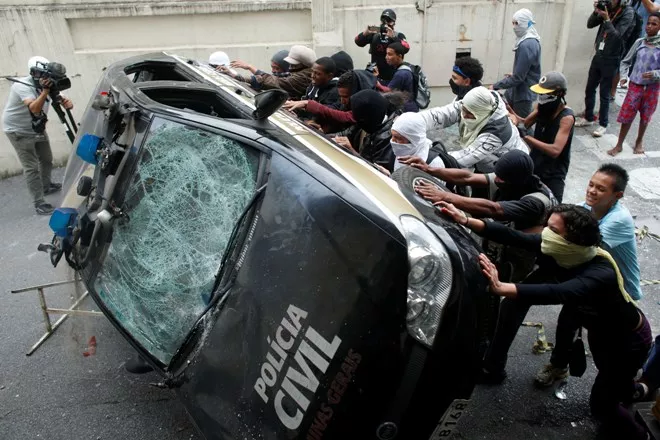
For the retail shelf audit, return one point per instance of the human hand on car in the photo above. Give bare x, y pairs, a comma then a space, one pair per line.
344, 142
238, 64
315, 125
452, 212
292, 106
383, 170
415, 162
432, 193
225, 70
495, 286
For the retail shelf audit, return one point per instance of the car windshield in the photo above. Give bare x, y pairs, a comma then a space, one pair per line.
188, 191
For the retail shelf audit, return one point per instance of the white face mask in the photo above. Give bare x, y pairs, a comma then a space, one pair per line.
546, 99
402, 149
519, 30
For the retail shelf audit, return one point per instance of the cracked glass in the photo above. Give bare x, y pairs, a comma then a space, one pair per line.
188, 191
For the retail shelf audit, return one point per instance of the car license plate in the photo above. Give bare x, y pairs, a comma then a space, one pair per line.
449, 420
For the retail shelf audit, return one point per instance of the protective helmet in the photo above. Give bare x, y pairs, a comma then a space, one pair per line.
32, 62
219, 59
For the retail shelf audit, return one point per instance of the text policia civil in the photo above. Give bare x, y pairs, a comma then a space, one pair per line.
299, 382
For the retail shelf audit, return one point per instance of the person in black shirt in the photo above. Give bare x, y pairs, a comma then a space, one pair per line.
378, 39
553, 135
323, 88
587, 281
517, 194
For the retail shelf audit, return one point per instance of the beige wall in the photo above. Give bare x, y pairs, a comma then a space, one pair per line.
86, 35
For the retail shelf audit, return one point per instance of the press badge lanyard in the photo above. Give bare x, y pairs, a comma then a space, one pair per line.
601, 46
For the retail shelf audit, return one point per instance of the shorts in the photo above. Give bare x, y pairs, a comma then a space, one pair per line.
642, 99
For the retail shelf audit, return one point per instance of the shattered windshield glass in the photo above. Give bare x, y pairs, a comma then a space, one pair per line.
188, 191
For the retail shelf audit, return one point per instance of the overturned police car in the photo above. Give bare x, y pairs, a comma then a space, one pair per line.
284, 287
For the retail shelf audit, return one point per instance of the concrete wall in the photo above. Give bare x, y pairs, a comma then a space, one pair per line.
86, 35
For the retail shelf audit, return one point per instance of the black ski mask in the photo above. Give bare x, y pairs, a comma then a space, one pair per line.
548, 105
459, 91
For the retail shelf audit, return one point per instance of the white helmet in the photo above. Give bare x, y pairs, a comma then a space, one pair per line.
32, 62
219, 59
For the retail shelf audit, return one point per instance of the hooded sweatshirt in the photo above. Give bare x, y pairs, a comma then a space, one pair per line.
493, 138
526, 62
370, 112
412, 127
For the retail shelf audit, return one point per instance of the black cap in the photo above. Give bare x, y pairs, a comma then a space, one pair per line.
388, 13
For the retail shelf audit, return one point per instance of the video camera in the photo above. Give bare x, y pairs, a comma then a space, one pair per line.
604, 5
55, 72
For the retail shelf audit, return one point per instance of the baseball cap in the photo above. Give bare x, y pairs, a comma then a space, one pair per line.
389, 13
549, 83
301, 55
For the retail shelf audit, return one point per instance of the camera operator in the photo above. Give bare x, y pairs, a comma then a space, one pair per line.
378, 38
24, 123
616, 21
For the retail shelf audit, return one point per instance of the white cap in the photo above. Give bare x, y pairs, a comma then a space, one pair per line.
301, 55
32, 62
219, 59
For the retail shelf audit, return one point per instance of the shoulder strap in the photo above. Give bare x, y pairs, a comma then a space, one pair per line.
542, 197
405, 67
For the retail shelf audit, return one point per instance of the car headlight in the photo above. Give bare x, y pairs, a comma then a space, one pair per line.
429, 280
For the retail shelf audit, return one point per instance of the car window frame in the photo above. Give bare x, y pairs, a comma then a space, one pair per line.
264, 155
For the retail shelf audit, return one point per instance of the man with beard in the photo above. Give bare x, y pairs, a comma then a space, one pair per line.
551, 143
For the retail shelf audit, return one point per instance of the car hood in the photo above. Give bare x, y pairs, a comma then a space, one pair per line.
313, 325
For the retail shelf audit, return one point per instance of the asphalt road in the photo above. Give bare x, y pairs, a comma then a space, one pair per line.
58, 393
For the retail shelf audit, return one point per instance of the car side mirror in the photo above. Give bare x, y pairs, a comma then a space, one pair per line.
269, 102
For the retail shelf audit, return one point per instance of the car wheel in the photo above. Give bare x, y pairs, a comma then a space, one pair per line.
409, 177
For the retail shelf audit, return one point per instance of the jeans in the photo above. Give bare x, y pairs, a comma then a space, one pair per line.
601, 74
36, 157
652, 367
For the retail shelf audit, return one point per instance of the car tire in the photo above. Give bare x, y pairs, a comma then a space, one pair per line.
408, 177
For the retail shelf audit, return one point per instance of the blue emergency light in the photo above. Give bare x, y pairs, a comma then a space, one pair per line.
62, 219
88, 148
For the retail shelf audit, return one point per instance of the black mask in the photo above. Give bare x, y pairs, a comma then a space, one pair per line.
548, 110
459, 91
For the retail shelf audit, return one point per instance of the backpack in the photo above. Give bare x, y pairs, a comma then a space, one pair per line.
421, 91
438, 149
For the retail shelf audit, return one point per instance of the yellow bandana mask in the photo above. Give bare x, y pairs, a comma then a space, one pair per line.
569, 255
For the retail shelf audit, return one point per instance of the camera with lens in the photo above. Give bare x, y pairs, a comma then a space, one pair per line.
371, 67
55, 72
604, 5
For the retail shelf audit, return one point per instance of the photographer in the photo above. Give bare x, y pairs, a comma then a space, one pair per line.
616, 22
24, 123
378, 38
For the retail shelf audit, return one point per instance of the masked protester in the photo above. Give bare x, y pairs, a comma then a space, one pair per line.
587, 281
615, 24
643, 85
526, 64
409, 140
29, 101
373, 115
485, 130
337, 117
465, 76
553, 134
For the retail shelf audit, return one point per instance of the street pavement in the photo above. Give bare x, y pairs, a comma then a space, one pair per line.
58, 393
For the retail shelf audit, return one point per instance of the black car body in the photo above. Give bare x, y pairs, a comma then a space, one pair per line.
284, 287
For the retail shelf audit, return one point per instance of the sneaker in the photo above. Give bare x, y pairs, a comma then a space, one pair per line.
44, 208
641, 392
549, 374
53, 188
598, 132
582, 122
